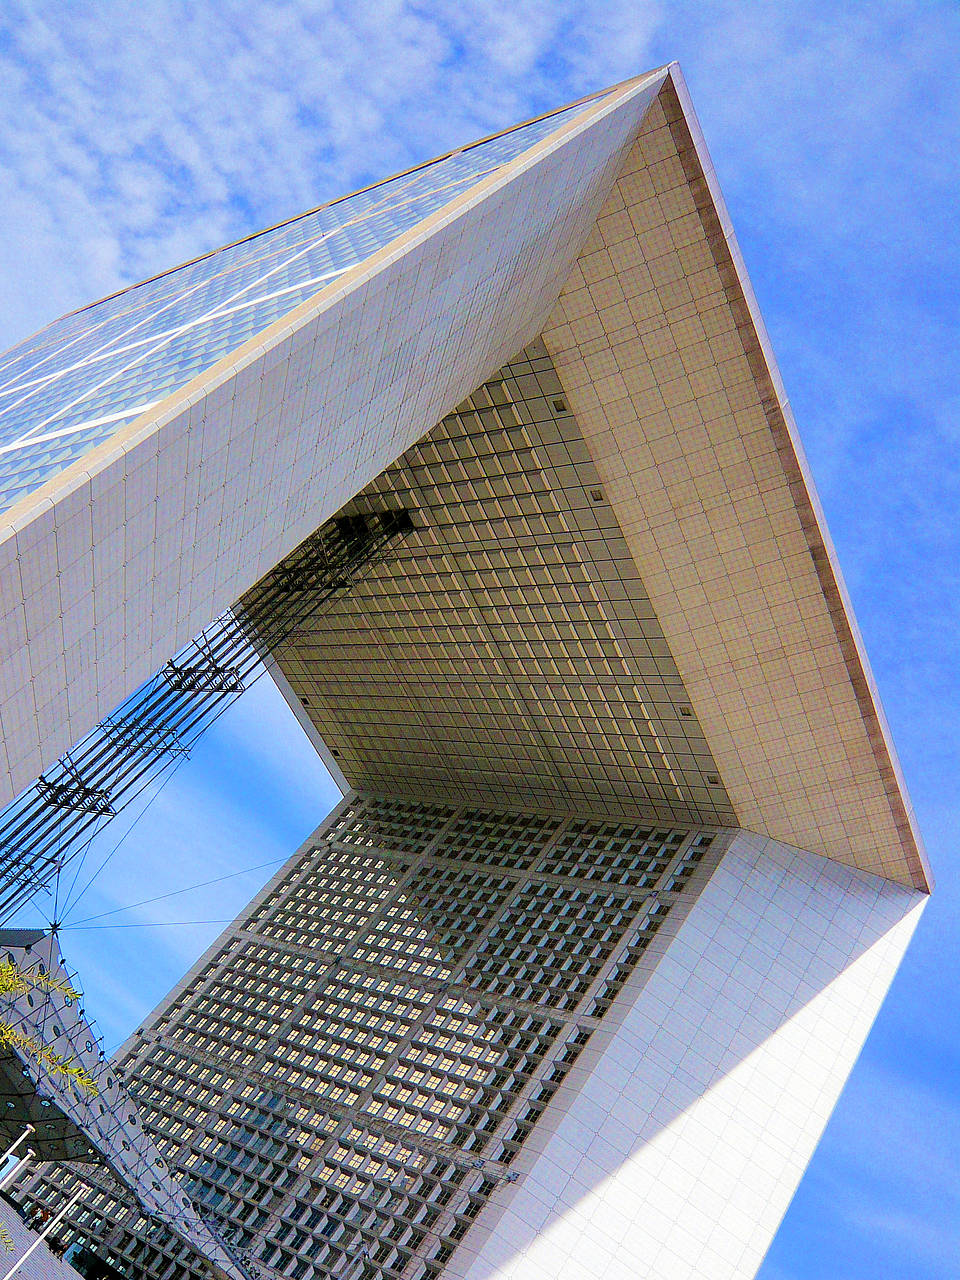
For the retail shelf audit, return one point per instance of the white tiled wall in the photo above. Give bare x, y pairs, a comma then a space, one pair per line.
42, 1264
672, 1151
663, 358
142, 543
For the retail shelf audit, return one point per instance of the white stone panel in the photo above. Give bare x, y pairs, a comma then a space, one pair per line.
663, 357
42, 1263
677, 1142
128, 554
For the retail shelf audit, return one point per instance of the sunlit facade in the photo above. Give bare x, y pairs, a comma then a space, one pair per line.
359, 1065
490, 468
67, 389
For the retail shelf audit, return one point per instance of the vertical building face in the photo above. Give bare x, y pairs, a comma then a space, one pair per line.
453, 1042
575, 974
66, 390
351, 1075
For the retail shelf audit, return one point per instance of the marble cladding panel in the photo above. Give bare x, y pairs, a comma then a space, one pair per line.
665, 362
676, 1145
137, 547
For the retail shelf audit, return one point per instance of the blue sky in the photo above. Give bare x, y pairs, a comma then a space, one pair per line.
137, 136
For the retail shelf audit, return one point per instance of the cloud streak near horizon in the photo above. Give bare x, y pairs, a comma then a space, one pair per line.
138, 137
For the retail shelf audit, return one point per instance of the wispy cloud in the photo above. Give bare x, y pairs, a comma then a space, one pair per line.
881, 1200
137, 136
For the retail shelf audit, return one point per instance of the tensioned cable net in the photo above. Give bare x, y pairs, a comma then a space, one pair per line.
55, 1078
52, 822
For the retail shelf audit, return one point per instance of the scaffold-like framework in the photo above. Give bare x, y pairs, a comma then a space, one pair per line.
50, 823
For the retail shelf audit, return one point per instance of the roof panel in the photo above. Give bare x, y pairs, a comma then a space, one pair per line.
738, 610
457, 674
72, 385
659, 344
505, 653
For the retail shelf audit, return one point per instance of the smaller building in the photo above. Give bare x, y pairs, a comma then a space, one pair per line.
60, 1096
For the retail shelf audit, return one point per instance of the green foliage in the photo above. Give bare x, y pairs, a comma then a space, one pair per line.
54, 1062
6, 1239
16, 982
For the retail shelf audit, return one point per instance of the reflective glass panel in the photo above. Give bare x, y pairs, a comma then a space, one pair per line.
71, 386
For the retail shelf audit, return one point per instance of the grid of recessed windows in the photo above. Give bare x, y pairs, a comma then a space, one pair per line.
497, 839
69, 387
350, 1078
614, 852
386, 823
505, 653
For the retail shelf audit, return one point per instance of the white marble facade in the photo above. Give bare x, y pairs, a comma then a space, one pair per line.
115, 564
674, 1148
42, 1264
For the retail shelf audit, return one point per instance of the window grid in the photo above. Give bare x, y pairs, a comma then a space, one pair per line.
349, 1110
507, 654
69, 387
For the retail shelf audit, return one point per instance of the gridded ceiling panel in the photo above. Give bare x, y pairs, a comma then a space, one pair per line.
507, 654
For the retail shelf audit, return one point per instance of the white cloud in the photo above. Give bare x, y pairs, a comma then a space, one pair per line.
137, 136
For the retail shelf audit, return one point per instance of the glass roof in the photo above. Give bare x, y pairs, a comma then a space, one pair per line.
72, 385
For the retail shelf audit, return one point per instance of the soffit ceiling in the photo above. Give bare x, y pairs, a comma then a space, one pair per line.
506, 653
630, 603
662, 354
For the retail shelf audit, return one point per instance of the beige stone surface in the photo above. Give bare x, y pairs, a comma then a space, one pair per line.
665, 362
676, 1142
710, 668
505, 653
